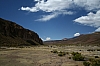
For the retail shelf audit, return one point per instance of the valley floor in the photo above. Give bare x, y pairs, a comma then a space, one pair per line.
42, 56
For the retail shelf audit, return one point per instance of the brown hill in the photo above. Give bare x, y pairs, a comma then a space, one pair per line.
12, 34
93, 38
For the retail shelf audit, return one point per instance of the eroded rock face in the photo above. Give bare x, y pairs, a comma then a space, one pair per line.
13, 31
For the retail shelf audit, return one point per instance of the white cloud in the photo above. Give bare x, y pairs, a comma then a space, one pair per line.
47, 17
88, 4
48, 38
97, 30
76, 34
91, 19
53, 15
54, 7
33, 9
49, 5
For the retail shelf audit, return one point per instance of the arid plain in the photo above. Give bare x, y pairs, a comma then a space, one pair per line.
42, 55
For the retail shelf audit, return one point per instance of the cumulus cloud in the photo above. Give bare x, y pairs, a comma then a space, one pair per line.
48, 38
54, 7
76, 34
92, 19
88, 4
33, 9
49, 5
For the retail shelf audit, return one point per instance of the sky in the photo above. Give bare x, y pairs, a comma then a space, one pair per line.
54, 19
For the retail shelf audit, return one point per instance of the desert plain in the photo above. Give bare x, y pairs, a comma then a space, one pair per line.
42, 55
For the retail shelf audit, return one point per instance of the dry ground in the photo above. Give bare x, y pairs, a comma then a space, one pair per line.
41, 56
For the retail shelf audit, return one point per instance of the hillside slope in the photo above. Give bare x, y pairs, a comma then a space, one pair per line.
12, 34
93, 38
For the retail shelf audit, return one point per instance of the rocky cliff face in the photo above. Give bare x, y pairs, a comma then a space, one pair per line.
14, 34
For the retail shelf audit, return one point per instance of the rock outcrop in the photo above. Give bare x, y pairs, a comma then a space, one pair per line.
13, 34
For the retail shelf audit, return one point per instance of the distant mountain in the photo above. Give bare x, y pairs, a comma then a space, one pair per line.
93, 38
12, 34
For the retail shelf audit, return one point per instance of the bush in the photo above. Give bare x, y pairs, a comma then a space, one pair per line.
95, 63
67, 52
77, 56
69, 57
98, 49
54, 51
91, 50
96, 57
74, 53
86, 63
61, 53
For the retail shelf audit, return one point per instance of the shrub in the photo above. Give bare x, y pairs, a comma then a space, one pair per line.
77, 56
86, 63
21, 47
96, 57
69, 57
95, 63
54, 51
74, 53
67, 52
61, 53
91, 50
98, 49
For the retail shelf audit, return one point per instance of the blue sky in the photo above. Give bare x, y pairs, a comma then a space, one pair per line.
54, 19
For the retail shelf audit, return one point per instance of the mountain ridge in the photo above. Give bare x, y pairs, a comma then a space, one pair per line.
93, 38
13, 34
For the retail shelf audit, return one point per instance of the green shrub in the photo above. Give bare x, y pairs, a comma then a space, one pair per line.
74, 53
77, 56
95, 63
86, 63
91, 60
59, 53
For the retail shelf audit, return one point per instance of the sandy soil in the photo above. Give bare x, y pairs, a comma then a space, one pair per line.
41, 56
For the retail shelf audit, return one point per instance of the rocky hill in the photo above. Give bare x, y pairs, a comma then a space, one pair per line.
93, 38
12, 34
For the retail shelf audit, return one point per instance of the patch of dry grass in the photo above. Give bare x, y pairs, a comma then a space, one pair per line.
42, 56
